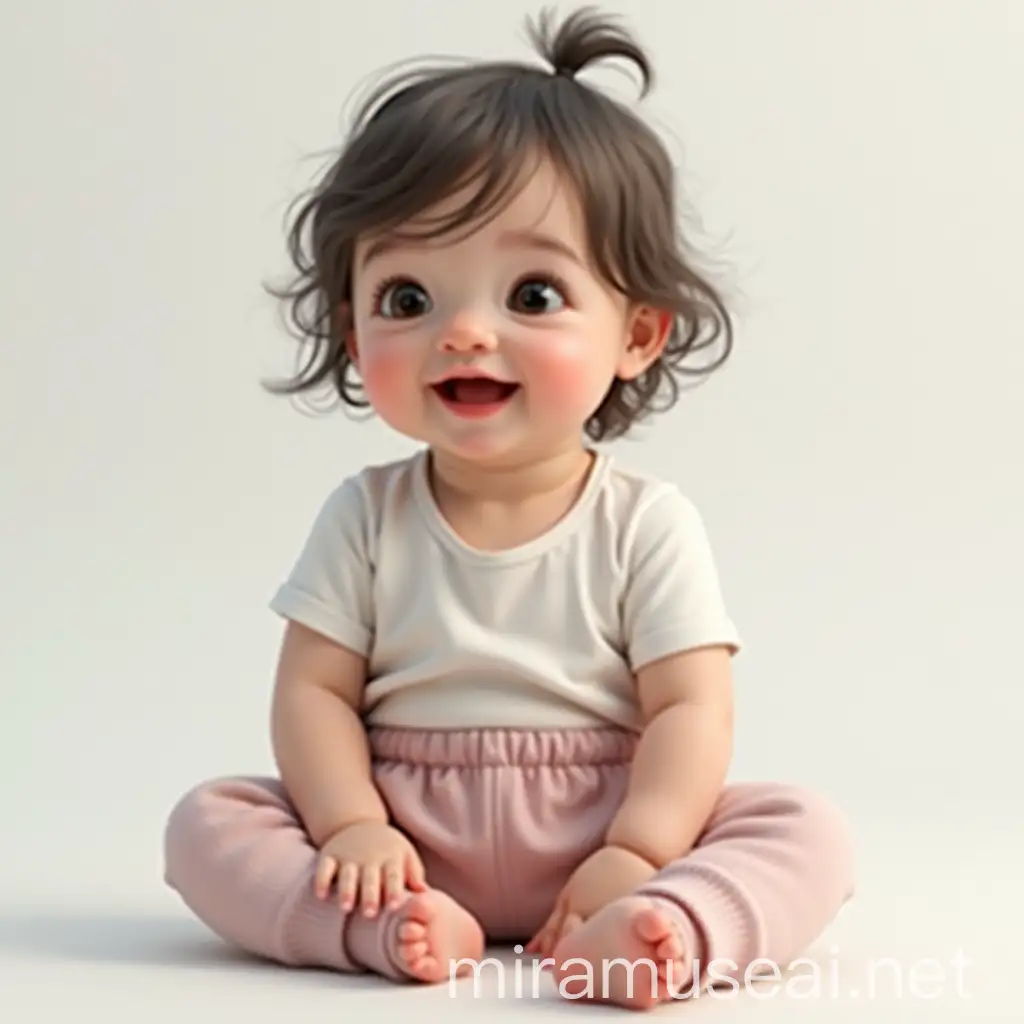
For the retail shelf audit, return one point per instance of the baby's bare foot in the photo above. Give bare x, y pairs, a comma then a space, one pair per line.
629, 954
433, 934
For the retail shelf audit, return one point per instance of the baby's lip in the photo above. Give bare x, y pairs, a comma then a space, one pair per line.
469, 373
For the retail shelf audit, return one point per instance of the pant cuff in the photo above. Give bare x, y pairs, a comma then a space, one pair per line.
729, 934
311, 934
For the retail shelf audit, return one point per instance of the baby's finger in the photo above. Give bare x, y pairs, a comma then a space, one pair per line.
533, 946
369, 890
544, 941
348, 881
544, 932
570, 923
415, 875
394, 883
325, 869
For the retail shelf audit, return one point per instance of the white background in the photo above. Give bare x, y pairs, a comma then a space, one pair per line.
856, 168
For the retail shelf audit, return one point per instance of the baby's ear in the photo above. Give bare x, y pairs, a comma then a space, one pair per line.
647, 333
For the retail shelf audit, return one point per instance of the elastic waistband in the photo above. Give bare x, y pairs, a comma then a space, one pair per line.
502, 747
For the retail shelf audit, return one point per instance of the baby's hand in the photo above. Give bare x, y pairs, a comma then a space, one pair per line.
606, 875
372, 864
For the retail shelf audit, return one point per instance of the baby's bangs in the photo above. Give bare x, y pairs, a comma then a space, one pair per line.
485, 192
471, 138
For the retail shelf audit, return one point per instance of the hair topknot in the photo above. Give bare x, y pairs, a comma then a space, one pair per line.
478, 128
586, 37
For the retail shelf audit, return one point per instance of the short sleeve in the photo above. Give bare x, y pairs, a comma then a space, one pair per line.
673, 600
329, 589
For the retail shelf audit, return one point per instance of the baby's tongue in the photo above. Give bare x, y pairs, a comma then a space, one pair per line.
479, 391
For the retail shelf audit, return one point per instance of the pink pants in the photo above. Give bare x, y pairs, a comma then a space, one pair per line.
501, 819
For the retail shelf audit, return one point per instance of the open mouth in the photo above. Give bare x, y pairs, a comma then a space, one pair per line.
475, 394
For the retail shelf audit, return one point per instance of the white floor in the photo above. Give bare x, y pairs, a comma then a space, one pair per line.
932, 936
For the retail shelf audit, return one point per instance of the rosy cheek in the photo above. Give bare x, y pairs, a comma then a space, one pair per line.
386, 373
565, 373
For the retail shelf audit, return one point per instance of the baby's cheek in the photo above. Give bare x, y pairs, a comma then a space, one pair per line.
386, 373
568, 375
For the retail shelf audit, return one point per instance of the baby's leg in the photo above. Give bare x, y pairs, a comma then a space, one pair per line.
771, 871
237, 854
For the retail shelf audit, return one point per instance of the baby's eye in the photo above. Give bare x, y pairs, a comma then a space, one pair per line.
402, 299
536, 295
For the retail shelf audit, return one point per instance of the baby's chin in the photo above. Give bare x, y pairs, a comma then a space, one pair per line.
512, 446
501, 438
484, 452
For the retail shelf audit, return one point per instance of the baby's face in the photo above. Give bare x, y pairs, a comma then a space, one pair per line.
515, 307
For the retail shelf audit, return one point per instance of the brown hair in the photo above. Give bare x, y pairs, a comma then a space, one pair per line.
424, 134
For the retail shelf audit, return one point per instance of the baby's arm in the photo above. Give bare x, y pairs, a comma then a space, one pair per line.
320, 743
683, 755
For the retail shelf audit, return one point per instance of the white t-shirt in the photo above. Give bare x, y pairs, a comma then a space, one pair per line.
545, 635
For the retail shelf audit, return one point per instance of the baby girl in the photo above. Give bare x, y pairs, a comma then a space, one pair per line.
503, 706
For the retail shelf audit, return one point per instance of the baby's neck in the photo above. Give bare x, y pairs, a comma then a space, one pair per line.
511, 483
494, 509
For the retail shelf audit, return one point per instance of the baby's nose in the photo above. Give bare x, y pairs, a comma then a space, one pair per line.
468, 332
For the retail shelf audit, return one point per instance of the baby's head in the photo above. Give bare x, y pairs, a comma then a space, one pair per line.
508, 221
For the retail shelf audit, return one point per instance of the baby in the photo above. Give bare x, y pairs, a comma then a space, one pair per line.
503, 704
